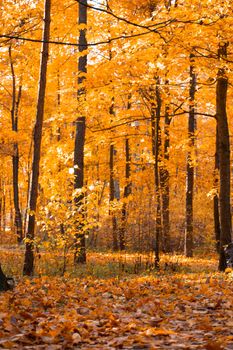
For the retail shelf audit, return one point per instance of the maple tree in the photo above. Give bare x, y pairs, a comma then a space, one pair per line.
37, 137
80, 253
133, 144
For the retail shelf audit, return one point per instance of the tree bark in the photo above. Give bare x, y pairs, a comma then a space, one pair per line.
224, 165
80, 244
190, 167
112, 197
127, 192
217, 227
6, 283
15, 158
156, 151
164, 183
29, 254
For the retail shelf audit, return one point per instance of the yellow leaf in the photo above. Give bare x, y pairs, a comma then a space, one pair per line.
157, 331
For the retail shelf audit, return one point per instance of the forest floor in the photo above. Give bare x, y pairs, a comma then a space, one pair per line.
185, 305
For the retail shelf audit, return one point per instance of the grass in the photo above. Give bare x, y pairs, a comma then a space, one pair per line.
105, 265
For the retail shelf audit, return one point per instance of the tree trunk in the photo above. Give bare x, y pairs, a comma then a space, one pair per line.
5, 282
164, 183
112, 197
15, 158
156, 150
29, 254
127, 192
224, 165
217, 228
80, 244
190, 167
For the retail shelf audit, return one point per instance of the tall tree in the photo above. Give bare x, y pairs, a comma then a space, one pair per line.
112, 197
164, 182
16, 97
28, 268
217, 227
80, 124
190, 167
156, 151
127, 192
224, 158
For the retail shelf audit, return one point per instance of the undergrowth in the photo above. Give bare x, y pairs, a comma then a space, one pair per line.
105, 265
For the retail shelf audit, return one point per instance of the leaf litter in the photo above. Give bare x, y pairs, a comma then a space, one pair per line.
152, 312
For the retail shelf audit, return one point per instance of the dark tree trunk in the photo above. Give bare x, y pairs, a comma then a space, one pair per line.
164, 183
127, 189
190, 167
156, 150
224, 165
18, 216
111, 198
80, 244
15, 158
217, 228
112, 181
29, 254
127, 192
5, 282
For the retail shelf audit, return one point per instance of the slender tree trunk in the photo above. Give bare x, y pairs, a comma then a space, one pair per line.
127, 192
29, 170
112, 181
217, 228
11, 210
224, 165
156, 150
164, 183
127, 189
15, 158
18, 216
80, 244
29, 254
190, 167
112, 197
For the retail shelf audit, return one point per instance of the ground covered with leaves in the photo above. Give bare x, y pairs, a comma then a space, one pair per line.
157, 310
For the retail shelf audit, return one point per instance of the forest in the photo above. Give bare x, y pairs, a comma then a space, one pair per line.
115, 176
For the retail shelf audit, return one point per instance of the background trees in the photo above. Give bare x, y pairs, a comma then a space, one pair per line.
163, 72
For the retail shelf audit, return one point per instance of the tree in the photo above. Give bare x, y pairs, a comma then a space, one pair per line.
190, 166
80, 248
156, 150
217, 227
224, 159
112, 192
164, 182
147, 39
28, 268
127, 192
16, 97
